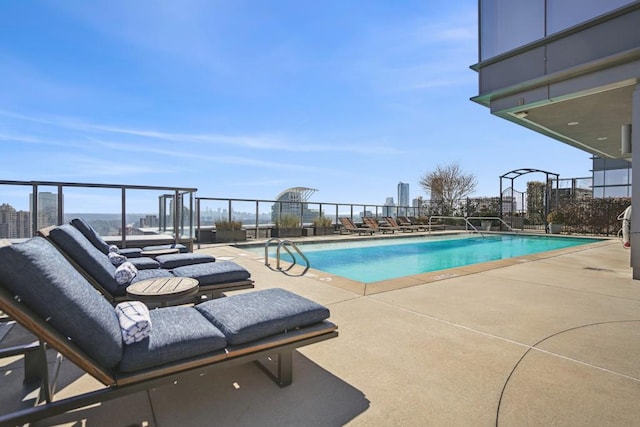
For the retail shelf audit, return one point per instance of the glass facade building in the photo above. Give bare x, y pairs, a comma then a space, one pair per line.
509, 24
569, 70
403, 198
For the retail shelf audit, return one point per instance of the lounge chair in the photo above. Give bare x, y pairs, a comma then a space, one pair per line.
214, 277
404, 228
42, 291
373, 224
405, 220
94, 237
350, 227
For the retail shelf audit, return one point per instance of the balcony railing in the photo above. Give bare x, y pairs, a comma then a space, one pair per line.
259, 215
53, 202
175, 214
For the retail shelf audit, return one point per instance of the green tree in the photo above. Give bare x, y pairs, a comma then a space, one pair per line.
448, 186
535, 202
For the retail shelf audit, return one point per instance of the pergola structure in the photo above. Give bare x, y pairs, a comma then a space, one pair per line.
516, 173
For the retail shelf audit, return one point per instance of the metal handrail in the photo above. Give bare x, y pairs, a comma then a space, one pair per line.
454, 217
283, 244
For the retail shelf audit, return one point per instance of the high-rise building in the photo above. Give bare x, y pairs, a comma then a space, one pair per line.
403, 198
389, 207
293, 201
47, 208
13, 224
571, 71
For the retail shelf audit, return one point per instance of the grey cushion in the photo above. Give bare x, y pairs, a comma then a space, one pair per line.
178, 260
179, 246
90, 233
45, 281
254, 315
178, 333
87, 256
131, 252
144, 263
211, 273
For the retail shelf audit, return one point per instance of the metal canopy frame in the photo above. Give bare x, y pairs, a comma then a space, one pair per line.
517, 173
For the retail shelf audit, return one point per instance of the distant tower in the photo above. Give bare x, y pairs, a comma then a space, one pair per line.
47, 208
388, 208
403, 198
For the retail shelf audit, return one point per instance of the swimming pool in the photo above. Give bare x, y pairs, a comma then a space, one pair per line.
383, 259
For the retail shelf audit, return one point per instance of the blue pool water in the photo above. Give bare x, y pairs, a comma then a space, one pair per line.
374, 260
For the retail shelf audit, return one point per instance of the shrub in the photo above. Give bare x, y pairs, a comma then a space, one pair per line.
322, 221
224, 225
555, 217
288, 221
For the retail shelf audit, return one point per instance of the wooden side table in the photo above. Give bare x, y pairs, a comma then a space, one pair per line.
163, 289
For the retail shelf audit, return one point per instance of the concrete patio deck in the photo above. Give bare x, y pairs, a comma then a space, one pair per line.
549, 340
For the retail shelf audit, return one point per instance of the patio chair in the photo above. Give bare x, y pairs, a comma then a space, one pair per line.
214, 278
42, 291
404, 228
373, 224
350, 227
405, 220
98, 241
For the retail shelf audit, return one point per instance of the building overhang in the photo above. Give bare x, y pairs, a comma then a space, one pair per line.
576, 88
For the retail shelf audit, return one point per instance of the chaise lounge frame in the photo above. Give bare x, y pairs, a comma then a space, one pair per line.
119, 384
211, 291
348, 225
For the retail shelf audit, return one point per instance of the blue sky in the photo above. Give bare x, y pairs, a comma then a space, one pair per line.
244, 99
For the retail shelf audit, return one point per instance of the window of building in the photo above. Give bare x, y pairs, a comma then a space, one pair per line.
617, 191
563, 14
598, 178
508, 24
617, 177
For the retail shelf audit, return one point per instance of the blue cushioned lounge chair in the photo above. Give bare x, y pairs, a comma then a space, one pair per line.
43, 292
214, 277
94, 237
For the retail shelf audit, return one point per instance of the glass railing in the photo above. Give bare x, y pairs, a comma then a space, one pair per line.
120, 213
259, 217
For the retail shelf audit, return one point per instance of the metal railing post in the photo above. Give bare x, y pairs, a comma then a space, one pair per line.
176, 202
198, 231
34, 213
60, 213
123, 217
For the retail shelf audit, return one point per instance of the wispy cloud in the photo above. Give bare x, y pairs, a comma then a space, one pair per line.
89, 131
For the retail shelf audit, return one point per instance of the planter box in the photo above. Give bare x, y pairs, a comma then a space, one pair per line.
223, 236
323, 231
286, 232
486, 225
555, 228
206, 236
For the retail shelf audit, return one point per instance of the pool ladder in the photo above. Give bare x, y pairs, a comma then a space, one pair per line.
285, 244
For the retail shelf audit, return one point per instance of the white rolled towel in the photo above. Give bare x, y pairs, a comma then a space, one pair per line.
125, 273
135, 322
116, 259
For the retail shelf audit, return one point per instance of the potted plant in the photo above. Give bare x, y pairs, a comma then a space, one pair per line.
287, 225
230, 231
486, 212
322, 225
556, 221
